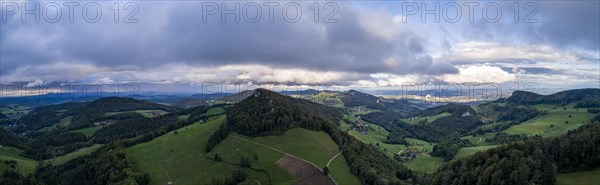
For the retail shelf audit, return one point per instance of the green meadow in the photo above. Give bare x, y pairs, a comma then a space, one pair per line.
377, 134
88, 131
579, 178
181, 158
214, 111
424, 163
147, 113
24, 165
316, 147
467, 151
429, 119
80, 152
477, 140
328, 98
14, 109
558, 121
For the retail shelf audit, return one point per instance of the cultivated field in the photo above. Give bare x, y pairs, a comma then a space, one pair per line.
304, 172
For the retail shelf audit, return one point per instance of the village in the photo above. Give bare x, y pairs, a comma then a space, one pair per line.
360, 126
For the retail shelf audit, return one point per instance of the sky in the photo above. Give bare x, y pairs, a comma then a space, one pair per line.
176, 45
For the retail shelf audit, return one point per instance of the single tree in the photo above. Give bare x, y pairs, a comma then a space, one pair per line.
326, 170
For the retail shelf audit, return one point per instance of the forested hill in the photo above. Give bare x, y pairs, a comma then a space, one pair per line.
583, 97
89, 114
267, 112
10, 139
356, 98
115, 104
2, 116
237, 96
454, 109
45, 116
533, 161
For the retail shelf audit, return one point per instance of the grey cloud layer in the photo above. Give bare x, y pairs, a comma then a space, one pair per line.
172, 38
175, 33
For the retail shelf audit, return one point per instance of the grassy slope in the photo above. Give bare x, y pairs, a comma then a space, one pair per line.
15, 109
423, 163
81, 152
181, 158
429, 118
557, 117
377, 134
316, 147
467, 151
64, 122
24, 165
214, 110
324, 97
231, 149
147, 113
477, 141
340, 171
579, 178
183, 117
89, 131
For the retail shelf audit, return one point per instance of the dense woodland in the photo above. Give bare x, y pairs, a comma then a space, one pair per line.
8, 138
449, 147
382, 116
534, 161
354, 98
109, 165
516, 114
4, 120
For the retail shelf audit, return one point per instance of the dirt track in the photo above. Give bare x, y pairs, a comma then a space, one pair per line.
305, 173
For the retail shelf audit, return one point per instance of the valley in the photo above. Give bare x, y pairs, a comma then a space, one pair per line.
267, 138
295, 92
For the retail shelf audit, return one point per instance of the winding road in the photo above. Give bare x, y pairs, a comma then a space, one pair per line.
336, 155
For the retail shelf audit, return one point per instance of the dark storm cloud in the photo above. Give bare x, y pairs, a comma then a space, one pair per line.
175, 33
